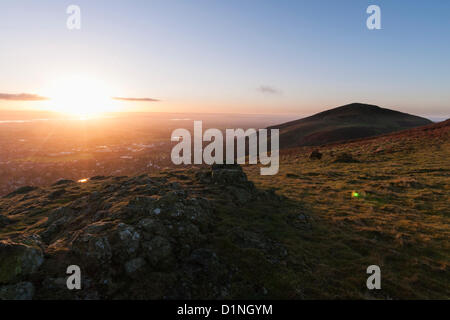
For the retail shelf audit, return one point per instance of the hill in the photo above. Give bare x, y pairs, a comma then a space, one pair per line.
227, 232
343, 123
386, 204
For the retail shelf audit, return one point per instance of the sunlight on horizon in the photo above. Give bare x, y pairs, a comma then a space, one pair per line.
81, 96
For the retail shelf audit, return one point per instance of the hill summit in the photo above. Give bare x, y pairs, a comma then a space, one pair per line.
351, 121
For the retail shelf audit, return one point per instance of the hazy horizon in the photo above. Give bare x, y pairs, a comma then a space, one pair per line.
282, 117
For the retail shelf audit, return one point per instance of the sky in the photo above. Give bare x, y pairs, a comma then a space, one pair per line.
247, 56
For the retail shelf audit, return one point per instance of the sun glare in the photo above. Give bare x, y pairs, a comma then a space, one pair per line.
82, 97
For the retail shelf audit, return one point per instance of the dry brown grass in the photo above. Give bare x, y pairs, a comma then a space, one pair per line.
400, 221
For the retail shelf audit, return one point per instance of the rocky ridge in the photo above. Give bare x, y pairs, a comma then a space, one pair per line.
143, 237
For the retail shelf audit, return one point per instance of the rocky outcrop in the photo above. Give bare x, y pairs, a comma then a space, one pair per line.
228, 174
18, 260
135, 238
19, 291
315, 155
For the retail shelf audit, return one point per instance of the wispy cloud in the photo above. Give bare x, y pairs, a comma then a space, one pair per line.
268, 89
22, 97
136, 99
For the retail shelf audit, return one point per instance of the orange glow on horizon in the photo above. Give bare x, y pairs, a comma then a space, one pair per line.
81, 96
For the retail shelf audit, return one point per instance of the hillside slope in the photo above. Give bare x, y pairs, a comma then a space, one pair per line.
308, 232
387, 203
347, 122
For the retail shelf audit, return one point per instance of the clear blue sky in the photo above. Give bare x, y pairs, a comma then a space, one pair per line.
234, 56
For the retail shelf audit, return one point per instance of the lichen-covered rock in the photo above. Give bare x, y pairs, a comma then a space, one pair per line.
19, 291
142, 204
228, 174
95, 248
18, 260
124, 241
205, 270
129, 237
134, 265
203, 259
158, 251
138, 237
240, 195
152, 227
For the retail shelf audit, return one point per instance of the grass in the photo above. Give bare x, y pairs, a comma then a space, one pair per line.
318, 239
400, 220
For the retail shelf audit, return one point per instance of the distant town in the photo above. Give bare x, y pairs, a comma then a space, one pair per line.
43, 150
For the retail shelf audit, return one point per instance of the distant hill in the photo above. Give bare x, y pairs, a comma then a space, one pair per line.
343, 123
418, 138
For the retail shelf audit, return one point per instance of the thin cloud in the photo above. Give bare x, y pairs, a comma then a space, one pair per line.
268, 89
22, 97
136, 99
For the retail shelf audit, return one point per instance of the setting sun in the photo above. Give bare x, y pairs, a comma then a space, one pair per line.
81, 96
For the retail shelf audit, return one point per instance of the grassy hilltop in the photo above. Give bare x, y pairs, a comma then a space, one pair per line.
223, 232
389, 207
352, 121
